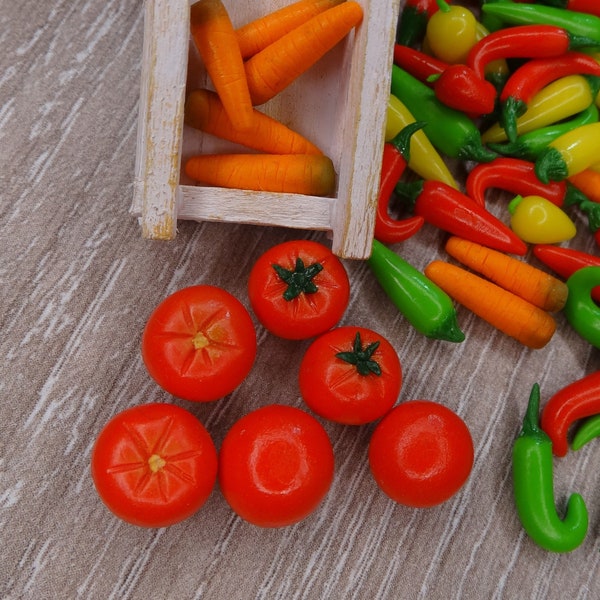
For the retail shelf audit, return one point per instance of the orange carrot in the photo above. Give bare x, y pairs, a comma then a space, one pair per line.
258, 34
588, 181
502, 309
271, 70
310, 174
215, 38
204, 110
520, 278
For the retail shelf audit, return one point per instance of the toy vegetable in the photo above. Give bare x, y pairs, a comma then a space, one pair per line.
419, 64
533, 488
412, 23
581, 311
586, 6
424, 305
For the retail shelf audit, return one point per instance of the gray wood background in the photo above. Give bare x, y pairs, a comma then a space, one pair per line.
77, 284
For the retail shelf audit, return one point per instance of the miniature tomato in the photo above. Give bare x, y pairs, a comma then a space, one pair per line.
298, 289
350, 375
276, 464
154, 465
199, 343
421, 453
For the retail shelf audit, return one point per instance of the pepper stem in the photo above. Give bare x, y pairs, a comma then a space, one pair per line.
550, 166
409, 192
512, 205
531, 421
361, 357
443, 5
402, 139
300, 280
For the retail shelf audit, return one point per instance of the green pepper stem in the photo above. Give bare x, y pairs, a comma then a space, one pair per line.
550, 166
443, 6
409, 192
531, 421
512, 205
402, 140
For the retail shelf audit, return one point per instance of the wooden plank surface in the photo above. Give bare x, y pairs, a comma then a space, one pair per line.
77, 285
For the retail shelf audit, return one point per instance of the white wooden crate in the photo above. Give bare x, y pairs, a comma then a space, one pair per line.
340, 104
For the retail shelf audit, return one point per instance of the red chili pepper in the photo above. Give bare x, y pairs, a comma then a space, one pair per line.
417, 63
532, 76
396, 154
575, 401
461, 88
454, 212
519, 41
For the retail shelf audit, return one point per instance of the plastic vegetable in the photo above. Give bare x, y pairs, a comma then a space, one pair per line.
533, 488
216, 40
575, 401
259, 33
538, 221
412, 22
586, 432
559, 100
507, 312
450, 131
271, 70
310, 174
576, 23
516, 276
419, 64
570, 153
452, 211
396, 154
424, 159
534, 75
581, 311
588, 181
204, 111
424, 305
586, 6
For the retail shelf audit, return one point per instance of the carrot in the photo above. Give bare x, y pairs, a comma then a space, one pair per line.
271, 70
204, 110
309, 174
588, 181
215, 38
258, 34
520, 278
502, 309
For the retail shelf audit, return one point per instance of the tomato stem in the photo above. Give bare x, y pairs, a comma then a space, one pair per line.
300, 280
156, 463
361, 357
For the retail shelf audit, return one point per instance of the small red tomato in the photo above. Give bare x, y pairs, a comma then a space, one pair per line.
199, 344
298, 289
154, 465
276, 464
421, 453
350, 375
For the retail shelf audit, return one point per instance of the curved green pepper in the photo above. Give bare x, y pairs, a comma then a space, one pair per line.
586, 432
424, 305
581, 311
533, 488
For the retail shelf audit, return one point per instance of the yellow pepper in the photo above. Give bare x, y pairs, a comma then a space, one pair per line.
559, 100
424, 159
569, 154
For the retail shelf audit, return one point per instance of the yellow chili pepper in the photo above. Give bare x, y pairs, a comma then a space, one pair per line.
559, 100
424, 159
569, 153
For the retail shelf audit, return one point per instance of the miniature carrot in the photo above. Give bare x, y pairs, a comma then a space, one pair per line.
521, 320
588, 181
271, 70
259, 33
204, 110
516, 276
309, 174
215, 38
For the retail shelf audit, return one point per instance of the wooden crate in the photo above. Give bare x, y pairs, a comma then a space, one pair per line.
340, 104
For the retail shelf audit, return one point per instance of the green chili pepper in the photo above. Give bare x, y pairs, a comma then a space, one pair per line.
533, 488
451, 131
580, 310
424, 305
579, 24
586, 432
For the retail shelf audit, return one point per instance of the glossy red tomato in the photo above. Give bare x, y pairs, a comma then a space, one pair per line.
199, 344
276, 464
154, 465
350, 375
298, 289
421, 453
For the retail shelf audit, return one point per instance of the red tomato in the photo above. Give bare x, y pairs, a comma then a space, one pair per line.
154, 465
350, 375
199, 343
421, 453
298, 289
276, 464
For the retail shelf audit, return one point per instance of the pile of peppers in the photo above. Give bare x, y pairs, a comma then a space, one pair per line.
511, 88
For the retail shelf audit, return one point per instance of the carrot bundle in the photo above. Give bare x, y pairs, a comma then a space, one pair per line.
205, 111
514, 316
310, 174
524, 280
271, 70
258, 34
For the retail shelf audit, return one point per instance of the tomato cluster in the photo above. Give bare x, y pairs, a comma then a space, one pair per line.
154, 465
